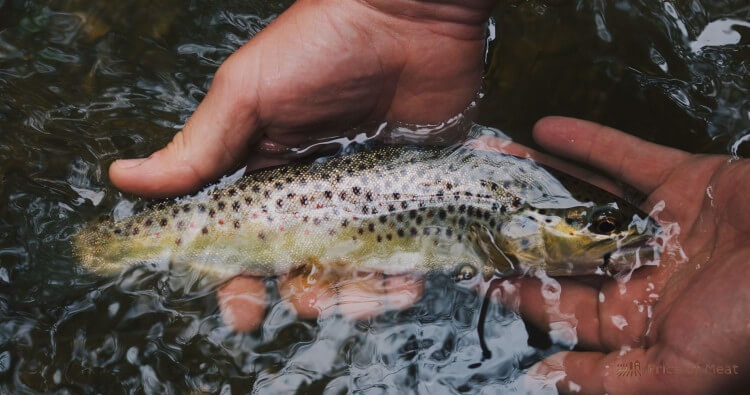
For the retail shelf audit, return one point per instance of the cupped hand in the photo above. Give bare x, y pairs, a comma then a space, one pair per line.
319, 70
680, 327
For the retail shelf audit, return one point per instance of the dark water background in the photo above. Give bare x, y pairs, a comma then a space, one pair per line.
85, 82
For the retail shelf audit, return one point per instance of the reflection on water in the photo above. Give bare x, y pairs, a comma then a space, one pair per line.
83, 83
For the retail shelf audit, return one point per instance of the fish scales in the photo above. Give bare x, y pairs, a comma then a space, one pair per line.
391, 210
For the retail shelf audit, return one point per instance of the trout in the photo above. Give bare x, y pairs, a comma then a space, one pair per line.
388, 210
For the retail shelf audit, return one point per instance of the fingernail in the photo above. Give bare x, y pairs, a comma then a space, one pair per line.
129, 163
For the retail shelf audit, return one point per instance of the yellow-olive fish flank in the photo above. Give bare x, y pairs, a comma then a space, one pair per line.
389, 210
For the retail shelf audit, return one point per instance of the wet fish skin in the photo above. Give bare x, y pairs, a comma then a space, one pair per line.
393, 210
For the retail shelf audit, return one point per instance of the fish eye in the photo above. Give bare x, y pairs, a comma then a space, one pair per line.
465, 272
605, 221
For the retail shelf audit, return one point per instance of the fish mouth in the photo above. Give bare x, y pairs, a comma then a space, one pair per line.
630, 256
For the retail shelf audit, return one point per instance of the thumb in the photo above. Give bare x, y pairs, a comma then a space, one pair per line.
214, 140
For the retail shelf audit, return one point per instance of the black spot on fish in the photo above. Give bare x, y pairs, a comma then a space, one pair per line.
389, 236
360, 231
325, 176
448, 186
261, 236
426, 231
442, 214
242, 187
399, 217
368, 196
328, 194
404, 204
371, 227
461, 222
202, 208
291, 195
345, 223
248, 201
459, 237
492, 223
413, 231
391, 208
267, 193
280, 203
221, 206
383, 219
380, 238
256, 189
462, 208
303, 200
316, 221
412, 214
180, 225
400, 232
117, 231
163, 222
342, 195
516, 202
217, 196
289, 180
503, 209
236, 206
419, 220
356, 190
148, 222
236, 224
506, 184
178, 241
470, 210
365, 210
175, 211
305, 219
396, 195
204, 230
232, 192
211, 213
135, 231
449, 232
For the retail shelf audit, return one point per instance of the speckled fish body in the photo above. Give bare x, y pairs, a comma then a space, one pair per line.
391, 210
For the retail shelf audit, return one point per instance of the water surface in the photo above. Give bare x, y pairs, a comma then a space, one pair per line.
85, 82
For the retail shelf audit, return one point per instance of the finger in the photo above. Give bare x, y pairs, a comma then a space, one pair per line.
242, 302
639, 163
362, 296
568, 310
402, 291
605, 317
310, 294
213, 141
508, 147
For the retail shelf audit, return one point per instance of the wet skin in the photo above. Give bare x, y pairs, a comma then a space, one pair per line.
367, 63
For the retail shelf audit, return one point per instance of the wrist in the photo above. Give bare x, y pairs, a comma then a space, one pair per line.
461, 19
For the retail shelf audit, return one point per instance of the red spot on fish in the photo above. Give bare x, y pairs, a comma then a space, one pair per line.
192, 224
255, 215
158, 234
318, 206
221, 222
307, 232
281, 228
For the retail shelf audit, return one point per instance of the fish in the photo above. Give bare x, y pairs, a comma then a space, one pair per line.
390, 210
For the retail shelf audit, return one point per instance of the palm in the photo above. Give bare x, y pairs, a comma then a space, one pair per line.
685, 312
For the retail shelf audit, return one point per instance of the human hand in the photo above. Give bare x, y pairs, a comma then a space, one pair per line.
692, 309
319, 70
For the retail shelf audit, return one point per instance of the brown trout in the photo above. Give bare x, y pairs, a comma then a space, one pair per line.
390, 210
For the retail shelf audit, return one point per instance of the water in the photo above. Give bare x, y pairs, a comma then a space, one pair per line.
85, 82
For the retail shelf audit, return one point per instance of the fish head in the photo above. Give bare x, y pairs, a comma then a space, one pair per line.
595, 239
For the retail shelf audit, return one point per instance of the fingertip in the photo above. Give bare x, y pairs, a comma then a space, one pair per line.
402, 291
362, 296
310, 297
555, 132
242, 302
